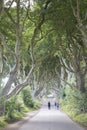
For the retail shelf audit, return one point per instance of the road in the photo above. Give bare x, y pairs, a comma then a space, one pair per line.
50, 120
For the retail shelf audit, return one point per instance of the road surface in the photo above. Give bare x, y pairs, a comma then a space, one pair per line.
50, 120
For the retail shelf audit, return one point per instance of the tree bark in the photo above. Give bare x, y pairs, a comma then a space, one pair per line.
80, 82
14, 71
1, 6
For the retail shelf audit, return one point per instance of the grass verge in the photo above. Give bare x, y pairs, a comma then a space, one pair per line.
80, 118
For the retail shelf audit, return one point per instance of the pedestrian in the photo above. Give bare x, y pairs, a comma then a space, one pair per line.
55, 104
49, 105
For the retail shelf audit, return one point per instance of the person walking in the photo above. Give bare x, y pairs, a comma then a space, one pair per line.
56, 105
49, 105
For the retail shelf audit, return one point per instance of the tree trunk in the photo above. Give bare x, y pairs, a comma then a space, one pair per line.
2, 107
80, 82
1, 6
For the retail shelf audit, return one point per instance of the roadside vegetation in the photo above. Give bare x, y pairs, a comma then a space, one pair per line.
74, 103
17, 107
42, 45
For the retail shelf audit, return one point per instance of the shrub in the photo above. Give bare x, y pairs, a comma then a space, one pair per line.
27, 98
82, 119
75, 105
14, 109
2, 122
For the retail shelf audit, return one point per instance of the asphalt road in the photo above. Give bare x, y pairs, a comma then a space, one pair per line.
50, 120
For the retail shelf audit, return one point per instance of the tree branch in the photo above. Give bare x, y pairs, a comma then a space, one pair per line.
19, 87
80, 25
1, 6
36, 31
9, 15
2, 60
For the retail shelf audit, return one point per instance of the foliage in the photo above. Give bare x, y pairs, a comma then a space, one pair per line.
14, 109
58, 35
75, 105
82, 119
2, 122
36, 105
28, 101
75, 99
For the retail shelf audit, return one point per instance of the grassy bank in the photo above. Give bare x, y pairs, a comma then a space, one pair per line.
80, 118
5, 120
17, 107
2, 122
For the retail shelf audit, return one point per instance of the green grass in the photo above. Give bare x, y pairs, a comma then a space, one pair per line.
2, 122
81, 118
75, 115
15, 116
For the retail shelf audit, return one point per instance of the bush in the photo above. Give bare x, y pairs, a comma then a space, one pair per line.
82, 119
75, 100
36, 106
27, 98
75, 105
14, 109
15, 116
2, 122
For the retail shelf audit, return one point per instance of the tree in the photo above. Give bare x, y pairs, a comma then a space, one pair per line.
17, 16
41, 41
1, 6
71, 42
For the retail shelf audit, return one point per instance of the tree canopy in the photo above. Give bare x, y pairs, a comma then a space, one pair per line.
42, 44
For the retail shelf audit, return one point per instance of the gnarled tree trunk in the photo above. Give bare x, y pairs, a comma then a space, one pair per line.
80, 82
